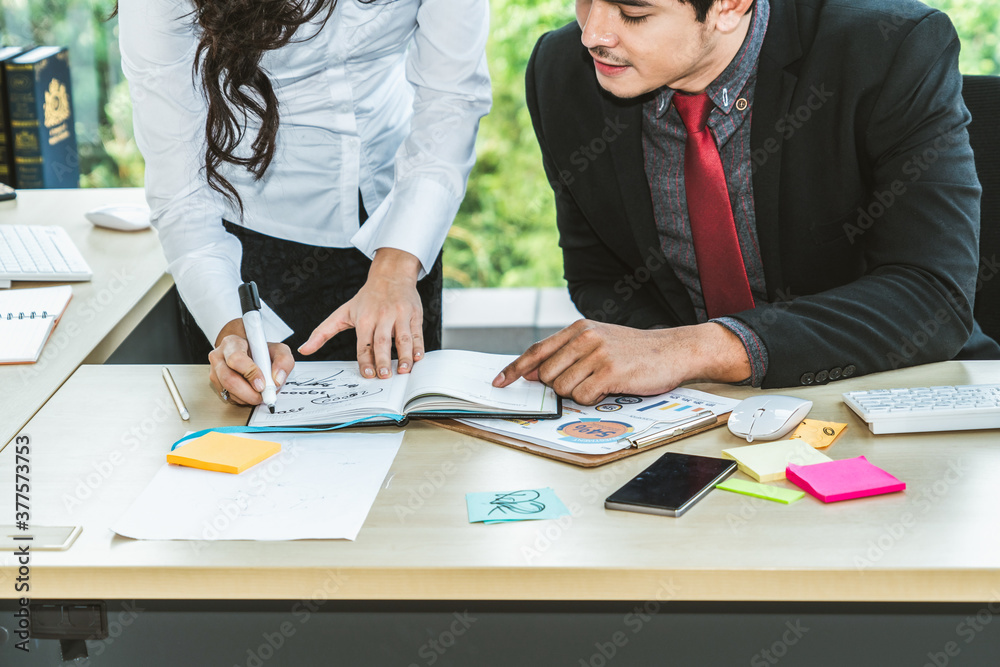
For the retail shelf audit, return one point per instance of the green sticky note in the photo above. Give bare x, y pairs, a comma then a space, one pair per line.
775, 493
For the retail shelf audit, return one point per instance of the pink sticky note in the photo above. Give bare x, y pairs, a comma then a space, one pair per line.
843, 480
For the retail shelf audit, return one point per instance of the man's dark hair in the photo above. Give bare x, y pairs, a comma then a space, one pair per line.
701, 8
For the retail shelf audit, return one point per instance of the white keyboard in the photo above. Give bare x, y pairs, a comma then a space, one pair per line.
927, 409
35, 252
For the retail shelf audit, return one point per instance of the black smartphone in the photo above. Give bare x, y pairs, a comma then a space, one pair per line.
671, 485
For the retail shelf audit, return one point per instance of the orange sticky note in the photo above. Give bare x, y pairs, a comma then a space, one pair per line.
223, 452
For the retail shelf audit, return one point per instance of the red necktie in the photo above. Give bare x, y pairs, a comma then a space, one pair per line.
724, 283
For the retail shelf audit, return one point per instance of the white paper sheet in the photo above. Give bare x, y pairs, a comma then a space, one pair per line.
320, 486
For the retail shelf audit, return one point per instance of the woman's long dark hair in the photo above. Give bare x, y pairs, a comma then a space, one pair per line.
235, 35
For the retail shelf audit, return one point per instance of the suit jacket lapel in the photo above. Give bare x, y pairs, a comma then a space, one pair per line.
627, 157
775, 85
772, 97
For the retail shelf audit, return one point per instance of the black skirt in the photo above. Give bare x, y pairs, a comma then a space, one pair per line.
303, 284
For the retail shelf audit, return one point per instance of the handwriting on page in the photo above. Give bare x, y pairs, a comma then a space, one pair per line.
339, 387
325, 391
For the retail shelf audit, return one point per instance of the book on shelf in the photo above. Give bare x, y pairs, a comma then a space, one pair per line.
27, 318
445, 383
40, 109
6, 136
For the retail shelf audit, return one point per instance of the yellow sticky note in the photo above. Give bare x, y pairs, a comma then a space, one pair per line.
818, 434
767, 462
223, 452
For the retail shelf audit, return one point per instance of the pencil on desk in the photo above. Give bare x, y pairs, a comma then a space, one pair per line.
175, 394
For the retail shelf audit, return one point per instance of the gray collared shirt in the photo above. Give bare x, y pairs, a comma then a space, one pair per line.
664, 138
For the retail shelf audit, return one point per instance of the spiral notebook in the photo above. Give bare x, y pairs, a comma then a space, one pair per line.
27, 318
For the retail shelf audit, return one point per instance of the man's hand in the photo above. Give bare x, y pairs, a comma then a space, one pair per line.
587, 360
387, 306
234, 370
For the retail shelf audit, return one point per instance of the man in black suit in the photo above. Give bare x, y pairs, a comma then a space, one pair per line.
831, 157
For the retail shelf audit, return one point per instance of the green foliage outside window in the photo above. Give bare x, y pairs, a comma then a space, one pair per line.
505, 232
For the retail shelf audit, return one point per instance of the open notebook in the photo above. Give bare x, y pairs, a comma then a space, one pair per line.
27, 317
445, 383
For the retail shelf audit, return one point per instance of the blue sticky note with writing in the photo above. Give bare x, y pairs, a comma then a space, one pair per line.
523, 505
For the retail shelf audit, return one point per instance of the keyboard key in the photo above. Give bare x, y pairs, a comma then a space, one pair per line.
36, 252
928, 409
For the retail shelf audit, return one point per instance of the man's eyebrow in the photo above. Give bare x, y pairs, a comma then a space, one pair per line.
632, 3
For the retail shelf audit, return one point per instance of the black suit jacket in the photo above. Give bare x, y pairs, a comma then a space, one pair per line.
865, 191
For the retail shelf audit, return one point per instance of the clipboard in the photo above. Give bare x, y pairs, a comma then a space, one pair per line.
574, 458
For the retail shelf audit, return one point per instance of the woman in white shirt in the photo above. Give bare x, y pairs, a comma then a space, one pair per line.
271, 130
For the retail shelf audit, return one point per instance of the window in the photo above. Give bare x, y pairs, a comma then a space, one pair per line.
505, 233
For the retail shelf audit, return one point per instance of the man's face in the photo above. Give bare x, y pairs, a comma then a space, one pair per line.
641, 45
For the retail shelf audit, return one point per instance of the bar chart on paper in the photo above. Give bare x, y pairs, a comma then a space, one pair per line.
675, 406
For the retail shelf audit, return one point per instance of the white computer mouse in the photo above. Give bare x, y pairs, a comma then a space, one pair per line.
768, 416
123, 217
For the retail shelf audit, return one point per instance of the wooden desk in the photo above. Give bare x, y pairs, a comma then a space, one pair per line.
129, 278
100, 439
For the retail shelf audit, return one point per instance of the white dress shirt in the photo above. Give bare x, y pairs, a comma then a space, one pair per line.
385, 98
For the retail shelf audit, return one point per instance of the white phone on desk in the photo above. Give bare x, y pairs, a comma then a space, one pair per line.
43, 538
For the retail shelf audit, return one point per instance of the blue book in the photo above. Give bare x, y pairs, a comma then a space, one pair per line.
41, 118
6, 136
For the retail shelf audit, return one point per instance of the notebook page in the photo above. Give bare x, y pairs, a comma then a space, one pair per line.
21, 341
326, 392
469, 376
42, 301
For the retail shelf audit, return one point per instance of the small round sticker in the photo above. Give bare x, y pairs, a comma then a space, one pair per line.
594, 430
628, 400
608, 407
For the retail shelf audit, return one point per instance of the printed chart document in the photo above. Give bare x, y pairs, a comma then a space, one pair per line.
445, 383
605, 428
320, 486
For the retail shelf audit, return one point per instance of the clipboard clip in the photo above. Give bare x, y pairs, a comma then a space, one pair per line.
646, 439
